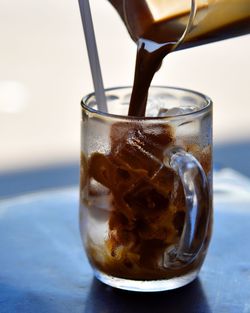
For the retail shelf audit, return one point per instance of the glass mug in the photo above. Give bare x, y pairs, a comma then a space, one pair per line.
146, 188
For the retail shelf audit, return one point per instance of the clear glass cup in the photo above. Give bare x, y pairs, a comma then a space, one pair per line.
146, 188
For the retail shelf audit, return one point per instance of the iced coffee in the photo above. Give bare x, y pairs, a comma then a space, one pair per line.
133, 201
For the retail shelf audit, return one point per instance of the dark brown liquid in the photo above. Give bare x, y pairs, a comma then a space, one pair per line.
151, 49
156, 39
148, 61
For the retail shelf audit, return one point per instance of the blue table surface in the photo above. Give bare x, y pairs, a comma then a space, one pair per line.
43, 267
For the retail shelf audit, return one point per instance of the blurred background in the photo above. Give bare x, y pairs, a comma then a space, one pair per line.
44, 72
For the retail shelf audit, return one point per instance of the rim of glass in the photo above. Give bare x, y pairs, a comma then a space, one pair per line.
206, 99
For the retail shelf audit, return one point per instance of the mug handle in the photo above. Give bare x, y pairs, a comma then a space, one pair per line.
196, 190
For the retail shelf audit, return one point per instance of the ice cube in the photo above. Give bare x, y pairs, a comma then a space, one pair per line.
140, 146
176, 111
158, 101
